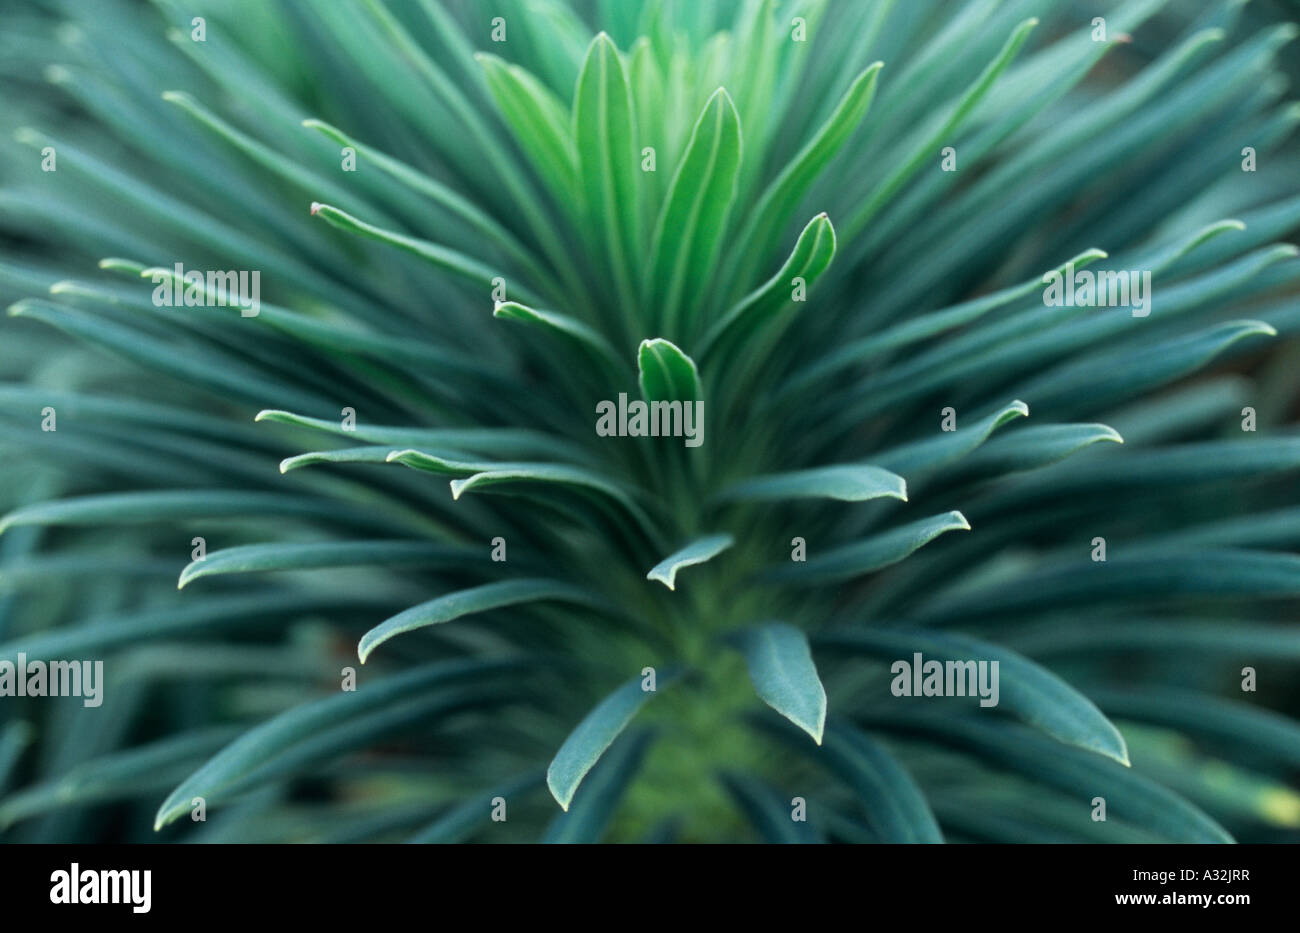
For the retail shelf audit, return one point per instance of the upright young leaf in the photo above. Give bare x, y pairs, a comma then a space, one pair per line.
812, 256
786, 191
667, 374
608, 161
541, 122
694, 218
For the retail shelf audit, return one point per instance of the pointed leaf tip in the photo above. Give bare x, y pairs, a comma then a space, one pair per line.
697, 552
784, 675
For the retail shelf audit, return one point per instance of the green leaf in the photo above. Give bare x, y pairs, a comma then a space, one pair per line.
1221, 722
769, 811
1105, 378
587, 819
667, 374
135, 772
439, 193
541, 124
446, 466
168, 506
697, 552
288, 170
860, 557
201, 365
349, 339
287, 555
35, 573
476, 599
319, 728
597, 731
484, 475
566, 328
933, 324
1159, 636
1151, 471
461, 820
1129, 796
811, 256
1140, 577
932, 143
782, 196
209, 615
1036, 445
784, 676
452, 261
339, 455
14, 739
550, 474
849, 482
895, 807
694, 217
609, 162
495, 442
1031, 693
1276, 528
928, 455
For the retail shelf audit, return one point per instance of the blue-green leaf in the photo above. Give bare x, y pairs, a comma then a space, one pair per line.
477, 599
784, 675
591, 737
697, 552
849, 482
873, 553
1026, 690
587, 819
